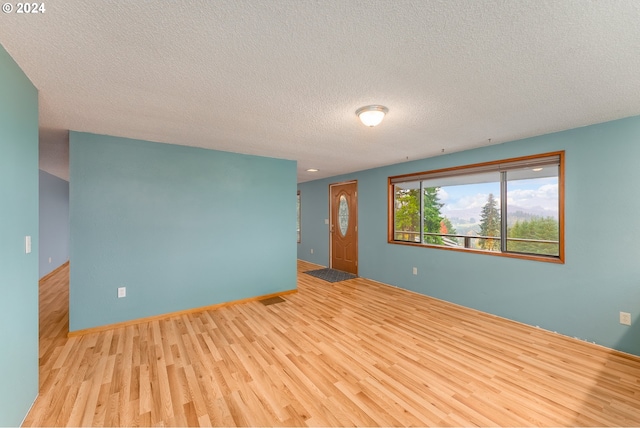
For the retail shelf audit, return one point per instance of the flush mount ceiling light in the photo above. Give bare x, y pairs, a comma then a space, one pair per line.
371, 115
312, 170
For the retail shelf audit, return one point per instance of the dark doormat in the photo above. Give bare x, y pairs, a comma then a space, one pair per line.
271, 300
331, 275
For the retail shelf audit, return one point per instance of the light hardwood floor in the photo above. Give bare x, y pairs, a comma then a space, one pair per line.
350, 353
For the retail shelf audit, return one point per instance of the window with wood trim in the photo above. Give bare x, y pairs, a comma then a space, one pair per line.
298, 217
512, 207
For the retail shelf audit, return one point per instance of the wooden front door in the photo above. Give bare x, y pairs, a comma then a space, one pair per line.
343, 226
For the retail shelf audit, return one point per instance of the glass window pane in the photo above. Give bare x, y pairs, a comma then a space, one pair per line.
298, 217
462, 203
432, 217
343, 215
407, 212
533, 211
511, 205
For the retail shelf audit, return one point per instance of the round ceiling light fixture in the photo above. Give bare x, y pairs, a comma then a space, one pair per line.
371, 115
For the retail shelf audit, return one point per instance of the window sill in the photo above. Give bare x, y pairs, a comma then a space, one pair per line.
533, 257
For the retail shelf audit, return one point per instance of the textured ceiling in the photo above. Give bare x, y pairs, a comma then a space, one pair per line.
283, 78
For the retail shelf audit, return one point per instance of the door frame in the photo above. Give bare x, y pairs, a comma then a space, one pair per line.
333, 226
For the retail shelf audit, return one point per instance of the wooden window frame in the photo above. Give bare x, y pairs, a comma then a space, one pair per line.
299, 215
460, 170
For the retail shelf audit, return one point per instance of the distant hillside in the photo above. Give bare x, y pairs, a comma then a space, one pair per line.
467, 222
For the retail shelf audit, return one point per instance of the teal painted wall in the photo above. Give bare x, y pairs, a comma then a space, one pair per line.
180, 227
18, 218
54, 222
581, 298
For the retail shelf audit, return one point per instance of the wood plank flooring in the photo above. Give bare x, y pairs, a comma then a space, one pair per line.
351, 353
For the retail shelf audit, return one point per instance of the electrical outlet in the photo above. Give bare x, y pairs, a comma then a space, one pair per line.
625, 318
415, 270
122, 292
312, 251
